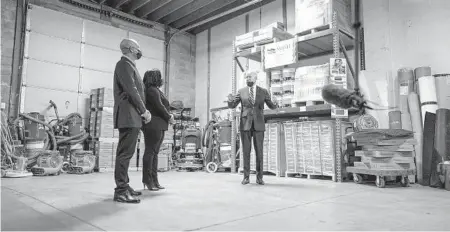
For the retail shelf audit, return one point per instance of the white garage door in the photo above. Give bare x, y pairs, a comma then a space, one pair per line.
66, 56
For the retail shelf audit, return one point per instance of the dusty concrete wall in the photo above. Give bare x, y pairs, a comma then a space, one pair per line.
8, 19
182, 52
201, 76
402, 33
182, 70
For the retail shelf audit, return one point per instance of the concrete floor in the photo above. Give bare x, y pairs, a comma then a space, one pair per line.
201, 201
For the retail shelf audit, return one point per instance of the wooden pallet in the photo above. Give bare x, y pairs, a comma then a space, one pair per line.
310, 176
314, 30
309, 103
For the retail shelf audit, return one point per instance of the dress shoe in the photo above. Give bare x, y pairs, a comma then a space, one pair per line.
150, 187
126, 197
134, 193
245, 181
260, 182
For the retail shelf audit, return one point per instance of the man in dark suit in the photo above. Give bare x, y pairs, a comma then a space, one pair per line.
129, 113
252, 99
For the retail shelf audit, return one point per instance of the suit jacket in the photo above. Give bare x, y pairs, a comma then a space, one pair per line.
252, 113
159, 106
129, 95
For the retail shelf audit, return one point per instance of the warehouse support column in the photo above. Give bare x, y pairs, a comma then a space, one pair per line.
208, 76
16, 80
167, 39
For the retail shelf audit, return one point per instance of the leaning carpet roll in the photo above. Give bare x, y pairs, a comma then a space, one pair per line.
406, 121
416, 121
442, 134
429, 128
406, 86
395, 120
427, 91
443, 90
364, 122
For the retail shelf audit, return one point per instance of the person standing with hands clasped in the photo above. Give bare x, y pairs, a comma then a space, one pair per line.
154, 131
252, 99
129, 115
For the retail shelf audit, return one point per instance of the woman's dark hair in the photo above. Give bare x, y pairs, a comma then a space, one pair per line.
153, 78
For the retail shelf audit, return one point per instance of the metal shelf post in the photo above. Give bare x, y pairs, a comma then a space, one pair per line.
233, 111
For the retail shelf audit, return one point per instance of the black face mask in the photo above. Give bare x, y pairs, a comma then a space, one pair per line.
250, 84
139, 55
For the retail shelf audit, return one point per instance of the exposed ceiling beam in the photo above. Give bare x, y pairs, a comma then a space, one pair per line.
119, 3
102, 1
198, 17
134, 5
167, 9
151, 7
216, 5
228, 17
185, 10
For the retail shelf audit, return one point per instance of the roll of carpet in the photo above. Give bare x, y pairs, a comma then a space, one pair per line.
443, 90
406, 121
416, 121
427, 90
365, 122
395, 120
442, 134
406, 86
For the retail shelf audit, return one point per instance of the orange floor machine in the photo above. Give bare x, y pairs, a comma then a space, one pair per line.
190, 157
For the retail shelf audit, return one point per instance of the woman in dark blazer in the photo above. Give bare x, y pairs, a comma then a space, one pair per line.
159, 106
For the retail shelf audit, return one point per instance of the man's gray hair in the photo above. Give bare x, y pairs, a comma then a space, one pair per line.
126, 44
251, 73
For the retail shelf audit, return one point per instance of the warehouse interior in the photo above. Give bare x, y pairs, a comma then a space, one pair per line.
355, 124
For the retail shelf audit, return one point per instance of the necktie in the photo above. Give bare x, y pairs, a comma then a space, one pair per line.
252, 100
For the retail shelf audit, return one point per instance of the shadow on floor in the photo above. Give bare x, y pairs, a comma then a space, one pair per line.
41, 216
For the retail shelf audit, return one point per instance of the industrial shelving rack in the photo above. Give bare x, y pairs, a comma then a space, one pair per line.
330, 41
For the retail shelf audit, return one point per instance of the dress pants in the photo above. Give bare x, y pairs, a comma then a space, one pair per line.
153, 138
125, 151
258, 140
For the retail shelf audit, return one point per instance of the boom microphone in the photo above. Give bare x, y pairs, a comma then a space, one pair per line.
343, 98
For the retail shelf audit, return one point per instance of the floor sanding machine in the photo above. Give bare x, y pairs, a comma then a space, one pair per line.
54, 147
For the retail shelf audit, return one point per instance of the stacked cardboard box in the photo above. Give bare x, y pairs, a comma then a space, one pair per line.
326, 135
274, 31
101, 123
105, 151
309, 81
310, 147
291, 149
318, 14
273, 151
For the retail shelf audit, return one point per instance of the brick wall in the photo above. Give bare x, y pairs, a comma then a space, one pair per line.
8, 18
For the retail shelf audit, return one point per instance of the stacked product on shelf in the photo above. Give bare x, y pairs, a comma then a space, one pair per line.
273, 153
288, 86
309, 81
310, 148
276, 86
273, 32
317, 15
